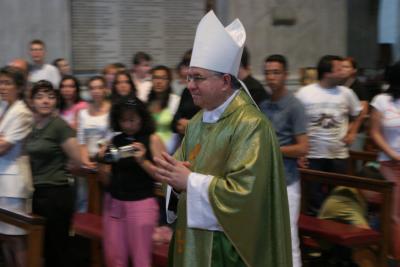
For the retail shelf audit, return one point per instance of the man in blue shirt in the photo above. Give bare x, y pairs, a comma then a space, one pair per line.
288, 118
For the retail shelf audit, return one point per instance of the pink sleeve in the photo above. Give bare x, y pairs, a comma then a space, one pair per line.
81, 105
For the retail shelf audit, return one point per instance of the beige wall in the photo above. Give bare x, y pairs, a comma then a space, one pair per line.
24, 20
320, 28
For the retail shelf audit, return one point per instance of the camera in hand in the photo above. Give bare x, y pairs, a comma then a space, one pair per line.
113, 154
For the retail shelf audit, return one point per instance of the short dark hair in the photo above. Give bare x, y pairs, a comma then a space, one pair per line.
120, 66
44, 86
38, 42
185, 61
187, 56
139, 57
392, 76
277, 58
325, 65
132, 105
245, 60
352, 61
96, 77
77, 91
18, 78
114, 95
56, 61
181, 65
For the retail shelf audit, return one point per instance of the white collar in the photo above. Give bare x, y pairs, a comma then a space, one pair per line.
213, 116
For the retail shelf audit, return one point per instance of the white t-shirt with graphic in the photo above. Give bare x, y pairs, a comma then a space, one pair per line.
328, 111
390, 123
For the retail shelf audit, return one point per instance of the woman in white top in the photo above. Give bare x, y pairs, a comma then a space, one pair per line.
15, 174
93, 128
385, 131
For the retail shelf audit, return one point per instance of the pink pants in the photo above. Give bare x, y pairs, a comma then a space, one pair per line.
391, 171
128, 228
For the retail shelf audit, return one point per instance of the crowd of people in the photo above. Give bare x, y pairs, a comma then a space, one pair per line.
47, 132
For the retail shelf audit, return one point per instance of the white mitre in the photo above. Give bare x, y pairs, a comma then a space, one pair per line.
217, 48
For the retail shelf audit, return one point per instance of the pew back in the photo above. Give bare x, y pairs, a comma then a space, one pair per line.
34, 225
384, 188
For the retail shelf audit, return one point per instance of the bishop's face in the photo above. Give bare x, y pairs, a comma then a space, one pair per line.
208, 89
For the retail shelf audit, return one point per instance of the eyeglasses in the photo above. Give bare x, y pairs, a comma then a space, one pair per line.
198, 78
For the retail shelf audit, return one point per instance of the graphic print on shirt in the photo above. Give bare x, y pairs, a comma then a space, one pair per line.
326, 121
327, 117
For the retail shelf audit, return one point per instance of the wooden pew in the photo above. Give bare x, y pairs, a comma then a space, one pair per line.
356, 156
344, 234
89, 224
34, 226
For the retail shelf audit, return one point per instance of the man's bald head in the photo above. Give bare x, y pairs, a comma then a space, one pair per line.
20, 64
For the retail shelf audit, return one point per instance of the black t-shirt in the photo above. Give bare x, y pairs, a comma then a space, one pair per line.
256, 89
186, 110
129, 181
360, 90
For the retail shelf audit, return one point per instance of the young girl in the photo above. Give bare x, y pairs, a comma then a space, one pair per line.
130, 209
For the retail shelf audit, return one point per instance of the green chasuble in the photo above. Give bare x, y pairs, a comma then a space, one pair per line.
247, 192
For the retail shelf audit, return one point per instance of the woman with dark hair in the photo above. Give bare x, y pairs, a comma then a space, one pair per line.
52, 146
130, 211
163, 104
385, 131
123, 87
70, 100
15, 175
